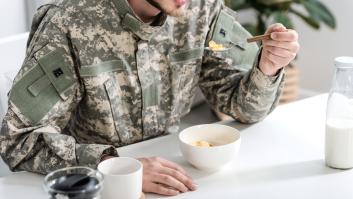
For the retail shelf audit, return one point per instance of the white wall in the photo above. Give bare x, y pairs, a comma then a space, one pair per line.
13, 17
319, 48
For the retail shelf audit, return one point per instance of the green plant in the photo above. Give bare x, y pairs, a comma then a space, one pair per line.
281, 10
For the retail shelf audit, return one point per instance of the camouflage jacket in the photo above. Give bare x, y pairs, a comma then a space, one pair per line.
96, 77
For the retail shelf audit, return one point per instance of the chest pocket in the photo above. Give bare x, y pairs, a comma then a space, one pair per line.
185, 67
105, 105
228, 31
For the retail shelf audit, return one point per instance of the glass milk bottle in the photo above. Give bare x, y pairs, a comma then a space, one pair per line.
339, 116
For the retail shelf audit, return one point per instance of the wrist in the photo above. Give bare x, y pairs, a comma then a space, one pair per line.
268, 69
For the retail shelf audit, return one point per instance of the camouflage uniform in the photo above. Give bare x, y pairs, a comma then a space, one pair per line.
95, 77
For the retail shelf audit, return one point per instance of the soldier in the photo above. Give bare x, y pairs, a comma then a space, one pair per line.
101, 74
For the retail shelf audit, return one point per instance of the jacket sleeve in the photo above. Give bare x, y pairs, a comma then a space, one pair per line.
43, 98
231, 81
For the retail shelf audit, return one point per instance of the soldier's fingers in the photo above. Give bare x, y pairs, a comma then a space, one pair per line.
171, 165
160, 189
181, 177
170, 181
277, 27
278, 61
281, 52
289, 35
291, 46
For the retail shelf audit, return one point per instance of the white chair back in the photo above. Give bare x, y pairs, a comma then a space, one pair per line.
12, 54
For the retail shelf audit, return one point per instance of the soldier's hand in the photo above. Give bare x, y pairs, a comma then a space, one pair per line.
280, 50
164, 177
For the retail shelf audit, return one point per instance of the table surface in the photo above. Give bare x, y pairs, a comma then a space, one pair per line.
280, 157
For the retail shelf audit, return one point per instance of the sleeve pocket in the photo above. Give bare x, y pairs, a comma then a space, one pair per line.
228, 31
47, 83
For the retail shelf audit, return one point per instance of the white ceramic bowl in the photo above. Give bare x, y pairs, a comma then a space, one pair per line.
225, 138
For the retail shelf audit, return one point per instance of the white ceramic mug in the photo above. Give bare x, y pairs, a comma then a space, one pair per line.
122, 178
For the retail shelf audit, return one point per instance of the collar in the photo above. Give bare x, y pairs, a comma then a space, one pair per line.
130, 21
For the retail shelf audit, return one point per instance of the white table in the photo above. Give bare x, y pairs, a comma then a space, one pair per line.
280, 157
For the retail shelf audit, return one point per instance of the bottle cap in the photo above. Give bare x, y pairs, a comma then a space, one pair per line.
344, 62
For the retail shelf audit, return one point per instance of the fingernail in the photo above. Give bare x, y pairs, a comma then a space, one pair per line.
273, 35
194, 186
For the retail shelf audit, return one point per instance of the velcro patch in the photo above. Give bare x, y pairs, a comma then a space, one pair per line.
36, 93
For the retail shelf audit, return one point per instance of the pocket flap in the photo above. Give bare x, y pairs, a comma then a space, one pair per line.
45, 84
185, 55
224, 28
104, 67
229, 30
58, 71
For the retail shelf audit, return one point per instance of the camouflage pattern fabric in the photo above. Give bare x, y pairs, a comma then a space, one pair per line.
96, 77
